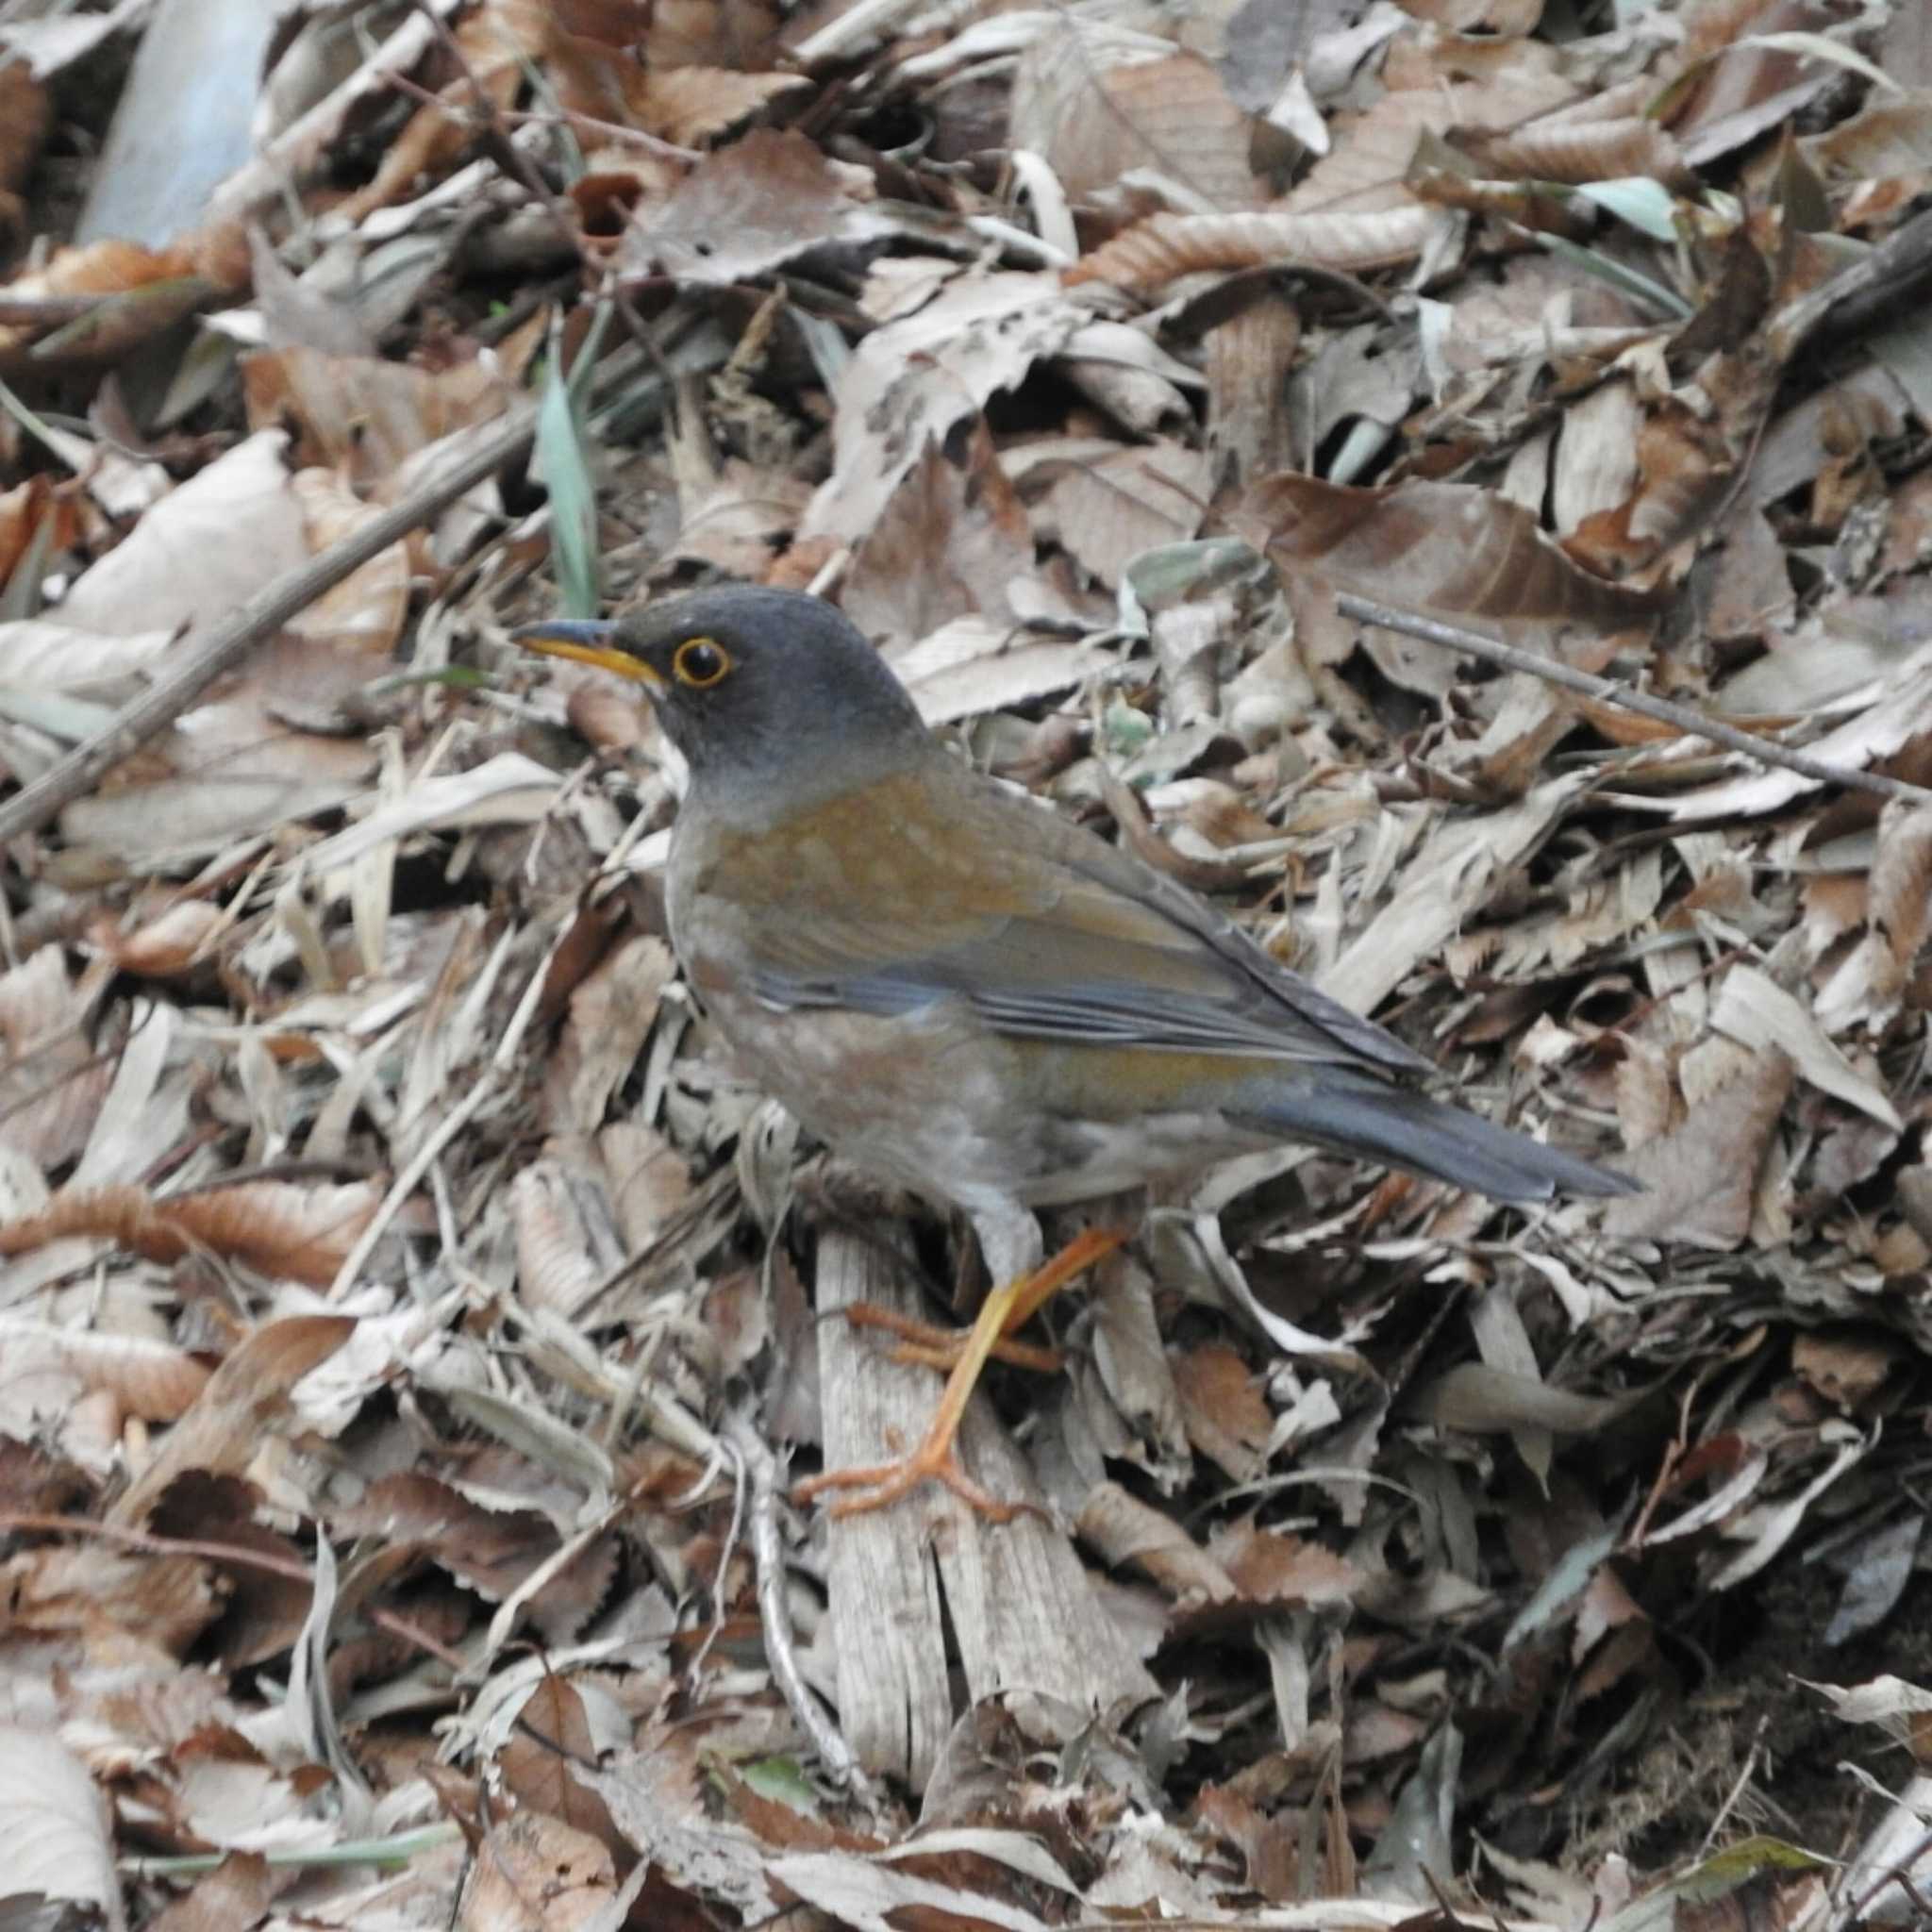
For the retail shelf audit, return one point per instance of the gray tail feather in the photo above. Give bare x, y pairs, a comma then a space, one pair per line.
1410, 1130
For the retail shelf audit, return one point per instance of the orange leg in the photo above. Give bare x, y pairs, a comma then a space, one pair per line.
934, 1347
1008, 1307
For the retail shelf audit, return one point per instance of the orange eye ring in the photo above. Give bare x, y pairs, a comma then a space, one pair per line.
701, 662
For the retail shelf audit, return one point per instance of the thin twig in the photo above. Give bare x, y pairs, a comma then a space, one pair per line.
761, 1478
273, 606
263, 615
1681, 717
488, 114
1899, 1874
31, 1523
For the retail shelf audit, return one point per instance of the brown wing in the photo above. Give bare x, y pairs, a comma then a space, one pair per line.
971, 892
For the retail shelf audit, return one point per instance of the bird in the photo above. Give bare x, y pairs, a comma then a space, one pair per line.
962, 992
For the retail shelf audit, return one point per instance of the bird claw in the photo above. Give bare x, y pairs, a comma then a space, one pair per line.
887, 1482
937, 1457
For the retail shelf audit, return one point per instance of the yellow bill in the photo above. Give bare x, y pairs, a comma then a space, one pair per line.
585, 641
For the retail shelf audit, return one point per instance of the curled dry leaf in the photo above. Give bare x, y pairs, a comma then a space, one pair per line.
1558, 148
1848, 1367
1163, 248
1225, 1415
152, 1380
492, 1551
1482, 1401
682, 104
1268, 1568
1890, 137
296, 1233
1870, 983
1123, 1530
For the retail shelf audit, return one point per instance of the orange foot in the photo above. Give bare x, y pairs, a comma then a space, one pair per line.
1008, 1307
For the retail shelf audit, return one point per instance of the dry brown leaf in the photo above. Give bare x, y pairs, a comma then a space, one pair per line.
1225, 1415
752, 206
688, 105
1457, 873
710, 33
23, 510
1268, 1568
1890, 135
1439, 546
1163, 248
611, 1011
1848, 1367
363, 614
1481, 1399
1558, 148
952, 541
148, 1378
1121, 1529
362, 416
1508, 18
1700, 1179
1371, 158
244, 1401
493, 1551
1097, 100
536, 1762
910, 382
297, 1233
263, 1610
156, 1606
1731, 87
52, 1079
1869, 982
171, 941
558, 1265
650, 1181
237, 1894
1758, 1013
974, 666
26, 114
1109, 510
142, 291
495, 42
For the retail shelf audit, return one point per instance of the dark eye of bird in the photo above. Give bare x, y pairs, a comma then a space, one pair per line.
699, 663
